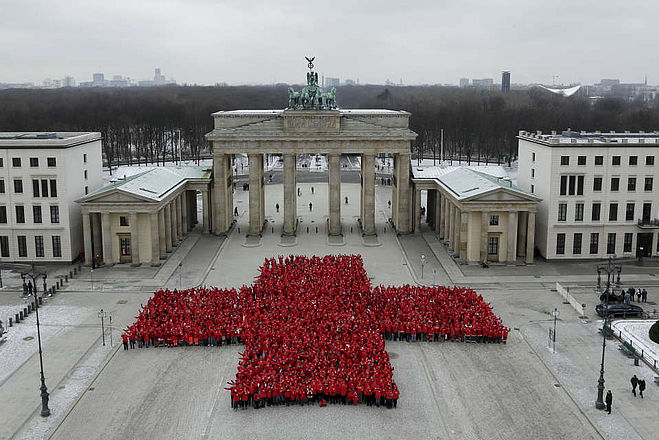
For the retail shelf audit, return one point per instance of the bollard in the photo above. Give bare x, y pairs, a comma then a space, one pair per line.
17, 319
239, 230
25, 312
29, 308
307, 229
316, 229
70, 274
75, 271
20, 314
351, 229
636, 361
11, 323
66, 278
273, 229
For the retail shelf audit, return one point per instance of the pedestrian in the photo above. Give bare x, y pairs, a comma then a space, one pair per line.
124, 338
609, 401
310, 206
641, 387
346, 199
634, 384
29, 288
644, 295
277, 207
389, 203
312, 190
235, 211
298, 192
627, 298
638, 295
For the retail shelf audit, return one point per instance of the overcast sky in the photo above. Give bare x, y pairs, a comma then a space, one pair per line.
265, 41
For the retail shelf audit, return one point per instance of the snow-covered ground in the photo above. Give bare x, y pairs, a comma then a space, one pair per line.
637, 331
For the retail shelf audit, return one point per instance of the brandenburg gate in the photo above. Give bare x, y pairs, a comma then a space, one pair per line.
313, 124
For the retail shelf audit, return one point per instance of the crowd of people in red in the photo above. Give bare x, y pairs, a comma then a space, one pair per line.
314, 329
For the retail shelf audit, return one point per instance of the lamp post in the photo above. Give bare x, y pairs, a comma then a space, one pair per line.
102, 315
555, 314
423, 263
45, 411
612, 270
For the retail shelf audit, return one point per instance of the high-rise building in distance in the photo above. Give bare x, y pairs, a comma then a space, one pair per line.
505, 81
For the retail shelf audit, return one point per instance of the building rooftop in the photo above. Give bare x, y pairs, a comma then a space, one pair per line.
35, 139
593, 138
342, 111
154, 183
465, 182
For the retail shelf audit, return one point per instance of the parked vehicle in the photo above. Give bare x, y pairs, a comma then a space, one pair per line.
619, 310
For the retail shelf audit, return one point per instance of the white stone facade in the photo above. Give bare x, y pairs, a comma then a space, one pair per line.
40, 221
574, 173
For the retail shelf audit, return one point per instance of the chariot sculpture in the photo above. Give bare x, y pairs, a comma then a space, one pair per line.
311, 97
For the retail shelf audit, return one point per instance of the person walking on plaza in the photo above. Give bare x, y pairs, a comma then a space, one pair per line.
609, 401
627, 298
235, 211
634, 384
644, 295
310, 206
638, 295
641, 387
277, 207
312, 190
298, 192
124, 338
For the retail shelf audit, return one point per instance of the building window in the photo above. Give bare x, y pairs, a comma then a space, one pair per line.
563, 188
2, 186
597, 184
615, 160
629, 212
85, 174
576, 244
532, 189
649, 160
57, 246
86, 190
572, 180
35, 188
565, 160
4, 246
580, 185
2, 162
53, 188
629, 237
581, 160
54, 214
20, 214
38, 245
84, 157
124, 244
493, 245
613, 212
648, 184
532, 173
52, 162
16, 162
562, 212
615, 183
594, 242
34, 162
611, 243
560, 244
44, 187
22, 246
599, 160
36, 214
123, 220
578, 212
3, 214
633, 160
18, 186
631, 184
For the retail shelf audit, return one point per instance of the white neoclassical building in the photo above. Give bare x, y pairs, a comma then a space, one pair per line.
41, 176
141, 218
478, 213
598, 192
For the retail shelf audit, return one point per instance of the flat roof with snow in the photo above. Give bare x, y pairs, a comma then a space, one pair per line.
36, 139
597, 138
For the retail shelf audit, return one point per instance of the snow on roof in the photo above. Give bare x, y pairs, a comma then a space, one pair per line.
154, 183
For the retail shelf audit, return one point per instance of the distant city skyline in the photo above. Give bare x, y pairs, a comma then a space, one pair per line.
263, 42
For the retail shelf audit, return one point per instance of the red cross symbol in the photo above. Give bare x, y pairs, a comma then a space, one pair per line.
313, 328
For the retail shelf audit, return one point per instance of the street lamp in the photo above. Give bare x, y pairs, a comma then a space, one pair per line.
555, 314
102, 315
612, 270
45, 411
423, 263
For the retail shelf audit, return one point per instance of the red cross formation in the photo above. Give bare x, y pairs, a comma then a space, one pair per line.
314, 325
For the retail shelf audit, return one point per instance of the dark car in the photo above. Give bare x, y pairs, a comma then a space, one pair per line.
618, 310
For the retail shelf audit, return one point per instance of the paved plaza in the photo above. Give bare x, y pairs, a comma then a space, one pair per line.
519, 390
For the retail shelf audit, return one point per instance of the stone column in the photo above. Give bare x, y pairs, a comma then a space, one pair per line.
155, 239
179, 217
162, 234
205, 207
134, 240
521, 233
97, 236
464, 234
185, 225
290, 196
168, 228
368, 194
107, 238
401, 213
87, 237
255, 193
223, 192
439, 219
456, 231
530, 237
417, 210
172, 213
512, 237
334, 164
485, 225
451, 227
430, 208
446, 216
